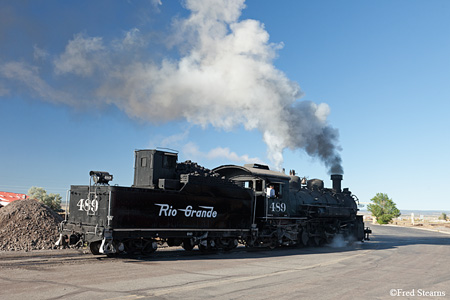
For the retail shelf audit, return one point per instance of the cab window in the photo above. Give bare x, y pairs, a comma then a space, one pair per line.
169, 161
258, 185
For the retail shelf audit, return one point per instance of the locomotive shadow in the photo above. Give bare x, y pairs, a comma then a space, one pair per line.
379, 241
239, 253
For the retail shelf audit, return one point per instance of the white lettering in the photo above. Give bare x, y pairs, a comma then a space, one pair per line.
206, 212
164, 208
80, 204
167, 210
425, 293
187, 211
88, 205
412, 293
278, 207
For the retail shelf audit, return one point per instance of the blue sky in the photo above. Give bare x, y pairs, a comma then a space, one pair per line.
83, 84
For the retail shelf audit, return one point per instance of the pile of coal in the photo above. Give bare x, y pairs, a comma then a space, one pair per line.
28, 225
192, 168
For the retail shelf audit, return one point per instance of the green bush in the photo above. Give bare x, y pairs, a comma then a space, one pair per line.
383, 208
51, 200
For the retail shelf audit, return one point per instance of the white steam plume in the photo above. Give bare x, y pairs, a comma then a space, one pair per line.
224, 77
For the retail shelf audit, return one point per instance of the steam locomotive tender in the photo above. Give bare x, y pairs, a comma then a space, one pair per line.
170, 203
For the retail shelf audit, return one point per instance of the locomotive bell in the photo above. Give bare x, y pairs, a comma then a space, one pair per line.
336, 179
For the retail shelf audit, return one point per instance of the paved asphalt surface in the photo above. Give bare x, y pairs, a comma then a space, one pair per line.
403, 263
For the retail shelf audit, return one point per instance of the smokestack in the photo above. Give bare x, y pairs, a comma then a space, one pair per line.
336, 178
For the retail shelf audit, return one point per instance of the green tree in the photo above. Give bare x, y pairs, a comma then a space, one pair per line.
383, 208
443, 216
51, 200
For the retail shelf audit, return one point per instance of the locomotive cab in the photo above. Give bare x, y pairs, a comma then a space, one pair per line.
260, 178
276, 205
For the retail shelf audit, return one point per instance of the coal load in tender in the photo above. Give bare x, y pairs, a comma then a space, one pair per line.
28, 225
192, 168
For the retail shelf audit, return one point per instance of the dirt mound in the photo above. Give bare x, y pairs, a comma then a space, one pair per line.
28, 225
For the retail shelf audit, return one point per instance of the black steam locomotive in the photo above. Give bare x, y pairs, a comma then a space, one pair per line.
182, 204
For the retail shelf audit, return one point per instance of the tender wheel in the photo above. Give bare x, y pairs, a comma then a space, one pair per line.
150, 247
140, 246
131, 247
207, 246
188, 244
203, 248
229, 244
95, 247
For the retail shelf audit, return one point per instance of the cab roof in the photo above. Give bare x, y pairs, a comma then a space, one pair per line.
255, 170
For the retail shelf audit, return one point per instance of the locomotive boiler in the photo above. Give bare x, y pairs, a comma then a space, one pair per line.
183, 204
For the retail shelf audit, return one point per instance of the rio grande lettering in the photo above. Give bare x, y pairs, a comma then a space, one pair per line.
206, 212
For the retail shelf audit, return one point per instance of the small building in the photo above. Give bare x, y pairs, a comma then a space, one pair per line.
6, 197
